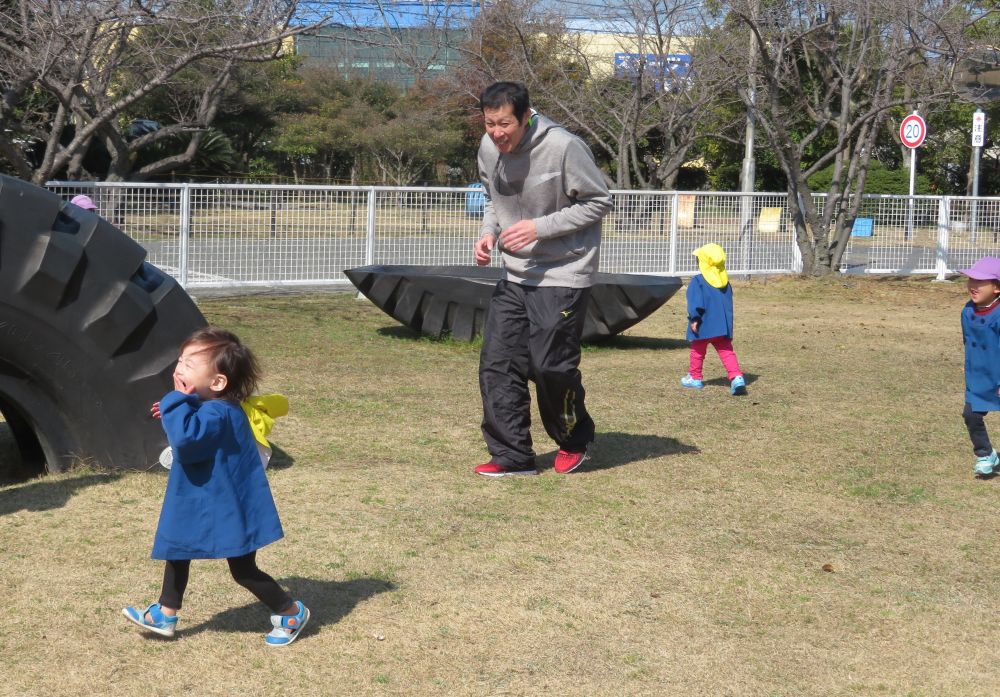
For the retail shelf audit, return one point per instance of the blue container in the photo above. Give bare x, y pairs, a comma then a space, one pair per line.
475, 200
862, 227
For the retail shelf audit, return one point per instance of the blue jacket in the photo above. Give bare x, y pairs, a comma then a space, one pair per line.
713, 306
981, 336
218, 503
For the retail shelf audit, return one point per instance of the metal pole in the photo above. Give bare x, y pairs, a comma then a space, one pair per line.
975, 191
370, 229
909, 202
944, 215
185, 233
274, 213
673, 234
369, 235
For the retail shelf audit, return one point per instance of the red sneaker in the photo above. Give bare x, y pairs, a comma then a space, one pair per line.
495, 469
566, 461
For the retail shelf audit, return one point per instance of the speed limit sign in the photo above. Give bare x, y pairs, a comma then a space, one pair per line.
913, 130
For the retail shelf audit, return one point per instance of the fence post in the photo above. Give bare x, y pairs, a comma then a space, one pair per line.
185, 233
673, 234
796, 252
370, 229
944, 218
746, 230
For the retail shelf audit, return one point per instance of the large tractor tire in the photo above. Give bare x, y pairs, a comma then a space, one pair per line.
454, 300
89, 335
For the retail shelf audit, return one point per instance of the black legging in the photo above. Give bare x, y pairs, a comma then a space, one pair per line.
245, 572
974, 421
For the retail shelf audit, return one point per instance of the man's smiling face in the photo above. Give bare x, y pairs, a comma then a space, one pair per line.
503, 128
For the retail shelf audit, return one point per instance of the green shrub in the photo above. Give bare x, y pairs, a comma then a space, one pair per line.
879, 181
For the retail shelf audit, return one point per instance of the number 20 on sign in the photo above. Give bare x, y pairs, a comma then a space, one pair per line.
912, 131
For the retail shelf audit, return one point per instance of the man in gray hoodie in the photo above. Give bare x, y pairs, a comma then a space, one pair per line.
545, 198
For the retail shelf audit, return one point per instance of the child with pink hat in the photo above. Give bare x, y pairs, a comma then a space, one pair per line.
981, 336
84, 202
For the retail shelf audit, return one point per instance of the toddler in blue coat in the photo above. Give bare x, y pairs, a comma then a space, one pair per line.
218, 503
710, 319
981, 336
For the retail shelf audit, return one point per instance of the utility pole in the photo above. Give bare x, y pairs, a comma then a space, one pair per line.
747, 172
978, 139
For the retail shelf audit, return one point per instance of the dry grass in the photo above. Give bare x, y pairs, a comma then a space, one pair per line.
687, 560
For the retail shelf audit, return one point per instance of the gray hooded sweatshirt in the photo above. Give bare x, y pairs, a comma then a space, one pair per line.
552, 179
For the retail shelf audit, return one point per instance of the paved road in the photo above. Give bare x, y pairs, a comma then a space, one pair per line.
222, 260
228, 261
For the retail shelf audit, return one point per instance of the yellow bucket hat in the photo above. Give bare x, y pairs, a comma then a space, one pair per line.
712, 264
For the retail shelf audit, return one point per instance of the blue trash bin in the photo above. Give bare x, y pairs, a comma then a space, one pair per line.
862, 227
475, 200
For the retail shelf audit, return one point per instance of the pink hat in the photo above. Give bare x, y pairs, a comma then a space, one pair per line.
986, 269
83, 202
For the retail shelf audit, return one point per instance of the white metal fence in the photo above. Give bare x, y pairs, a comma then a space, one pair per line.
225, 235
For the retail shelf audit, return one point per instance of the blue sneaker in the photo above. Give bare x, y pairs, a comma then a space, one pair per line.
161, 624
688, 381
738, 386
287, 627
987, 464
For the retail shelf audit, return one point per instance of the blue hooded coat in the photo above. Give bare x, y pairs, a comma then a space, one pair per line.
981, 336
218, 503
713, 307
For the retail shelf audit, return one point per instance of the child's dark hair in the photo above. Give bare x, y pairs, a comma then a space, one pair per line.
230, 358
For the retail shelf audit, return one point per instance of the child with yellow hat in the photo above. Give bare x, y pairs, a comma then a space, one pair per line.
710, 319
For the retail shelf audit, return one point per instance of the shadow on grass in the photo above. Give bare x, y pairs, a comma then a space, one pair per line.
46, 494
279, 458
616, 342
750, 378
615, 449
404, 333
328, 603
647, 343
400, 332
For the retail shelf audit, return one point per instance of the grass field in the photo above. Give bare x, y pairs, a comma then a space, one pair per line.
822, 536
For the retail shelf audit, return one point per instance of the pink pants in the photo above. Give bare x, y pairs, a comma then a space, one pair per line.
724, 346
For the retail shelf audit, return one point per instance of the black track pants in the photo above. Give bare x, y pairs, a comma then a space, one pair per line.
533, 333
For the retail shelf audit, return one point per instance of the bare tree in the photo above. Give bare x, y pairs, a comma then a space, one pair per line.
76, 73
827, 74
661, 95
643, 111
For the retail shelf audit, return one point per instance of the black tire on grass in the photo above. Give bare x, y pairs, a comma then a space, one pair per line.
89, 334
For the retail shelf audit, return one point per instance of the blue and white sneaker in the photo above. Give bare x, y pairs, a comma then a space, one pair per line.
987, 464
287, 627
161, 624
738, 386
688, 381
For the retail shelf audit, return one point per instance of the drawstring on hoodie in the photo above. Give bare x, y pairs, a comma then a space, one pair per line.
495, 176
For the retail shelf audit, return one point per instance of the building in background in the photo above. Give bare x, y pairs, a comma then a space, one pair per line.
401, 43
402, 56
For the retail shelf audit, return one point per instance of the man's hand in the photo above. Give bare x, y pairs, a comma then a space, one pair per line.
519, 235
483, 248
694, 325
154, 411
